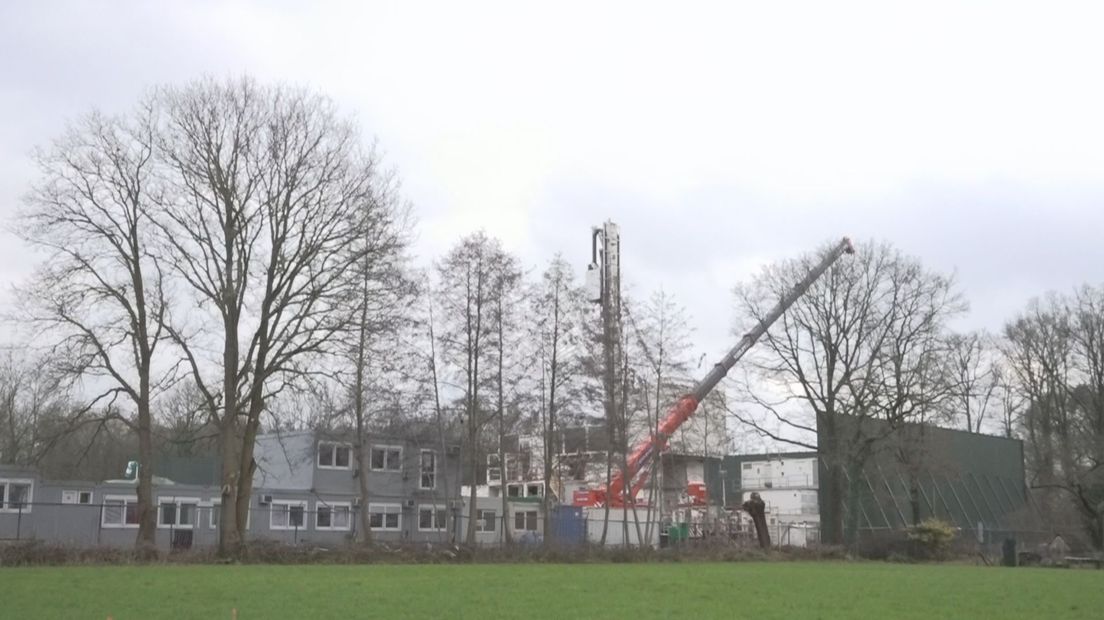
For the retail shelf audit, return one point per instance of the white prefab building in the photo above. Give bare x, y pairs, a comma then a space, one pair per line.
787, 485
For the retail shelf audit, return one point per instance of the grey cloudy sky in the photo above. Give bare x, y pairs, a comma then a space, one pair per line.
720, 136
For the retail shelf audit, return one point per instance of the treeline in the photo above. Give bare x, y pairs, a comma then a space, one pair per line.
230, 257
873, 339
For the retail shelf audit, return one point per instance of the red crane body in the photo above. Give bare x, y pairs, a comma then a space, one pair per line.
635, 475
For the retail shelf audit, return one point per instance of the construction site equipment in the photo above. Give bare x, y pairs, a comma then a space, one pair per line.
625, 485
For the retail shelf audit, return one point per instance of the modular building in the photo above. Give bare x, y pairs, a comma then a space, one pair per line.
305, 490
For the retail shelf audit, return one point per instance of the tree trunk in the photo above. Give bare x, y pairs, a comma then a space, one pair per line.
247, 468
230, 536
440, 418
831, 511
507, 538
914, 497
473, 511
550, 430
147, 509
364, 535
854, 471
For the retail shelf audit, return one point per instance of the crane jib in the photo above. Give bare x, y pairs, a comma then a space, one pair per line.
645, 451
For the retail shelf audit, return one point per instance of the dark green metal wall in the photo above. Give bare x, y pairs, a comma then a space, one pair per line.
962, 477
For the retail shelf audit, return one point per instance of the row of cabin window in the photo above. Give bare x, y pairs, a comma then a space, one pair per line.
338, 516
283, 514
16, 495
524, 520
333, 455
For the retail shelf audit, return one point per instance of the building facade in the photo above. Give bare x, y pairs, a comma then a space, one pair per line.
305, 491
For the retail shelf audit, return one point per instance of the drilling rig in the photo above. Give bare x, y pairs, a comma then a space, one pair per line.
626, 483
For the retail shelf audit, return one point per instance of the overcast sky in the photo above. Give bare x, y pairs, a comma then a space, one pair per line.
719, 136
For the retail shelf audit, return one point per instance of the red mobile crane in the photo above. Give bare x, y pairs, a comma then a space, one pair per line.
635, 474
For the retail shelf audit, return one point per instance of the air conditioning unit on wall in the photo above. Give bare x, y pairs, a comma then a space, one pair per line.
266, 500
409, 503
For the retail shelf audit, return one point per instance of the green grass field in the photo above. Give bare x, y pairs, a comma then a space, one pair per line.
750, 590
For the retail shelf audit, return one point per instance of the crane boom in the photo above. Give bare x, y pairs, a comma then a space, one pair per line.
635, 473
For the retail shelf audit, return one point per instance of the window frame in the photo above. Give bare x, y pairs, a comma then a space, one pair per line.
439, 510
319, 505
177, 501
524, 514
422, 472
494, 469
385, 449
335, 445
127, 501
288, 503
77, 493
385, 509
480, 521
5, 495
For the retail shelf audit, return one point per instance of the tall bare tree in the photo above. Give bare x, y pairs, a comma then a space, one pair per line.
975, 380
860, 345
1087, 309
662, 365
100, 291
511, 365
1038, 351
466, 292
1009, 399
1053, 352
263, 213
373, 347
557, 310
34, 407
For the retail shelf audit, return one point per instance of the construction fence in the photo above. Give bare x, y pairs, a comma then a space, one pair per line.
183, 525
186, 525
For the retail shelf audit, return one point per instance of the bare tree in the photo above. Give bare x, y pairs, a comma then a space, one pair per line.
597, 383
267, 188
1038, 351
34, 407
100, 292
974, 378
182, 423
859, 345
511, 365
440, 418
467, 294
1087, 308
1010, 400
373, 349
1054, 355
557, 311
662, 337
